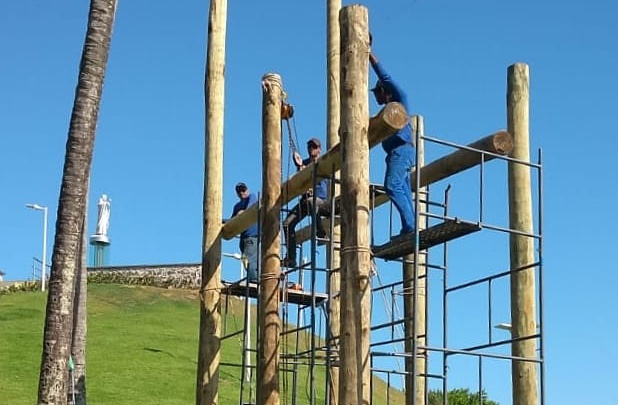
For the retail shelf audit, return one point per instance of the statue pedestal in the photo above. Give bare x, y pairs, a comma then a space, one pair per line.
100, 246
100, 239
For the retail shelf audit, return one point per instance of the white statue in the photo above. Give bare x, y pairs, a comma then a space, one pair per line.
104, 211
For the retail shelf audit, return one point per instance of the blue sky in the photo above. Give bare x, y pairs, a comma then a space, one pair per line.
451, 57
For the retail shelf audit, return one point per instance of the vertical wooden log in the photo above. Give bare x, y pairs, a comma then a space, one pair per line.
332, 134
416, 391
210, 310
268, 304
523, 303
355, 362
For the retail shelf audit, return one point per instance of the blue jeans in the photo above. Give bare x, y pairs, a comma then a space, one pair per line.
249, 248
397, 184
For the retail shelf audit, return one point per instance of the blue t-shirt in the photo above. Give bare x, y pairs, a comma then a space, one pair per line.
402, 139
321, 189
242, 205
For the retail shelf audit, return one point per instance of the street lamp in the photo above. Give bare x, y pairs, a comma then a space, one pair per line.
508, 327
238, 257
43, 261
504, 326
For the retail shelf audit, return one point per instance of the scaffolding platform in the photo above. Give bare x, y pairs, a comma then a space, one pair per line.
403, 245
288, 295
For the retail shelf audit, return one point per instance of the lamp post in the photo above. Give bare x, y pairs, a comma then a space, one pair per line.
43, 258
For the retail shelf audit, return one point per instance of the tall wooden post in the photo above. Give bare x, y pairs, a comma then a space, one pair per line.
415, 319
355, 361
332, 135
523, 304
268, 304
210, 314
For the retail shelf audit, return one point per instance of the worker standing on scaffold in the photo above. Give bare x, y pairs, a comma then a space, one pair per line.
305, 206
249, 237
399, 150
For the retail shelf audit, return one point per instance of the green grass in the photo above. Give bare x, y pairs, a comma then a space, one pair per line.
141, 348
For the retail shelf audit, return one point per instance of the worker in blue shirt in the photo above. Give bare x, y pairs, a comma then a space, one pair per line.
399, 150
305, 206
249, 237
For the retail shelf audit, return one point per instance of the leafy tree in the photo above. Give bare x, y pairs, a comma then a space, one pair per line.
459, 396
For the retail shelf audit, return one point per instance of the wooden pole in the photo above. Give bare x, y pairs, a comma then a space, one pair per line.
499, 143
268, 304
523, 303
210, 316
355, 366
415, 320
332, 134
392, 118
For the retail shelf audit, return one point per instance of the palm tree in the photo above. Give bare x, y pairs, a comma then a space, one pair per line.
57, 338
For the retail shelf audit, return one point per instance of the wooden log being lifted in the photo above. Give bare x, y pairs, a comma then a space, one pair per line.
499, 143
389, 120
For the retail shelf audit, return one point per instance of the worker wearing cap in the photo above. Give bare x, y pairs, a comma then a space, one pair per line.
305, 206
248, 237
399, 149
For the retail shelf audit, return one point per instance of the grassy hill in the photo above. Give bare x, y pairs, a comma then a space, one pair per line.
141, 348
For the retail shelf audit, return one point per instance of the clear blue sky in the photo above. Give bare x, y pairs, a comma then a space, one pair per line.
451, 56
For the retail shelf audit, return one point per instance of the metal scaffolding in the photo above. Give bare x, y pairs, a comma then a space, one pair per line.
308, 350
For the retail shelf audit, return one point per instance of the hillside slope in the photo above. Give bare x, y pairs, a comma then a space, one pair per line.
142, 348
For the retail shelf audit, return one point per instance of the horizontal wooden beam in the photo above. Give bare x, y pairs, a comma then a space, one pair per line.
388, 121
499, 143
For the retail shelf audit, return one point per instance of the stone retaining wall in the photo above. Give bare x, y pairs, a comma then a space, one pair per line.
183, 275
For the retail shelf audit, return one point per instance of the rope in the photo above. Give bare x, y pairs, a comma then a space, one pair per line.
265, 277
204, 290
355, 249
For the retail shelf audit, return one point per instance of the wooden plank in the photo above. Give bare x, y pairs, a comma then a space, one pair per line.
250, 290
400, 246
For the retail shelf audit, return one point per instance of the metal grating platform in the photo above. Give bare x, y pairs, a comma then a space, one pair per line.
403, 245
291, 296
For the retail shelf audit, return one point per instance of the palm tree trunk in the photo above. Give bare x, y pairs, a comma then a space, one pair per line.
72, 204
78, 347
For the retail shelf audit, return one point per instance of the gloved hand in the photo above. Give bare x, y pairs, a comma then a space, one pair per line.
298, 160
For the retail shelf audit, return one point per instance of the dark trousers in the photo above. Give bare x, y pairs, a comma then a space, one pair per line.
300, 211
